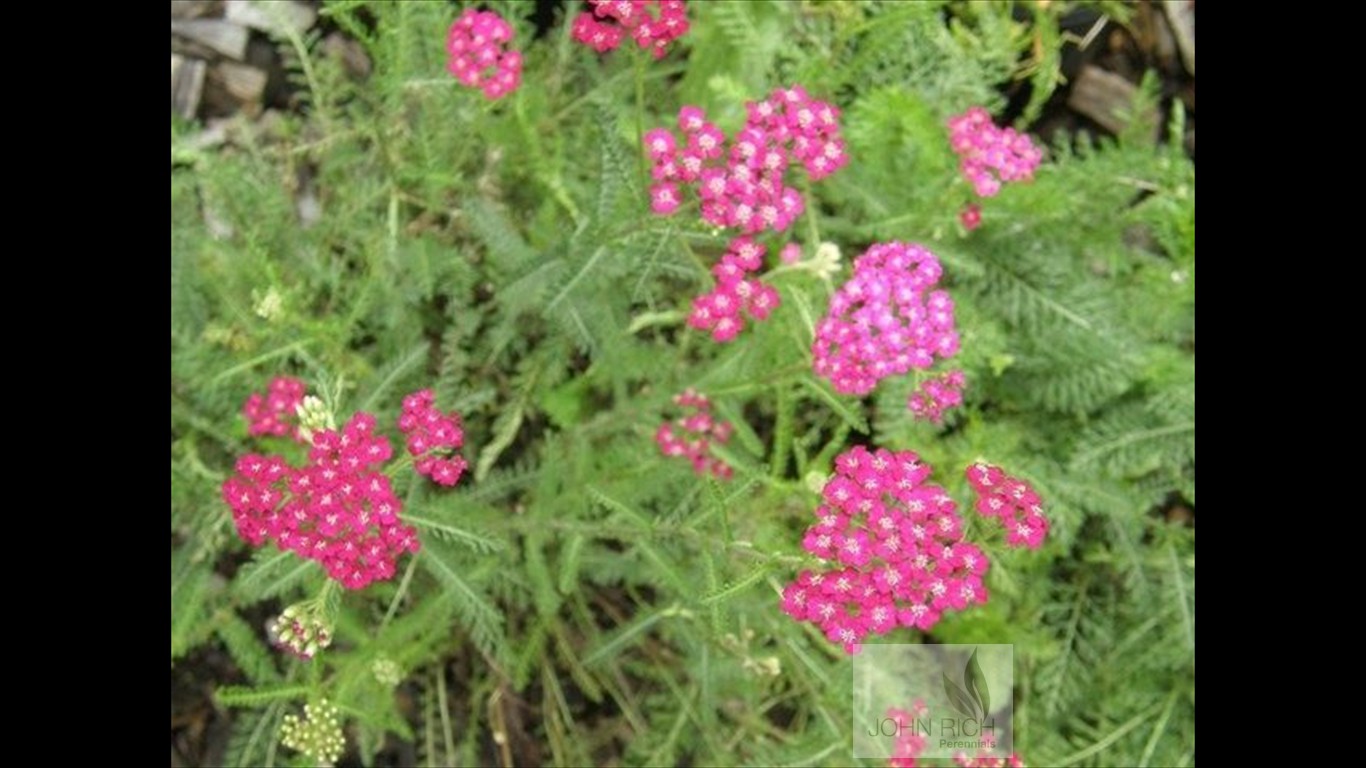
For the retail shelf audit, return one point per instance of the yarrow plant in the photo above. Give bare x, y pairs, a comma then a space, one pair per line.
936, 395
690, 436
720, 310
275, 412
338, 509
480, 54
895, 547
885, 320
1012, 501
744, 186
634, 18
433, 438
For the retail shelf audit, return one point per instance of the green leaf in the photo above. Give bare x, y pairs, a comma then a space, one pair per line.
851, 417
242, 696
733, 588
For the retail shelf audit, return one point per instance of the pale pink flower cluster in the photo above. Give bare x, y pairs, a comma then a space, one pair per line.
743, 184
1012, 501
896, 551
338, 509
480, 56
433, 438
690, 436
936, 395
719, 311
633, 17
989, 156
887, 319
274, 413
910, 742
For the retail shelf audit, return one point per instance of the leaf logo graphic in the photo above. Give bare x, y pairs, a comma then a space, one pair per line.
971, 699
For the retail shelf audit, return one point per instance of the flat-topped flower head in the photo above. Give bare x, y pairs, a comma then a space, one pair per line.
936, 395
691, 435
433, 438
742, 182
275, 412
895, 549
886, 320
318, 734
338, 509
723, 309
480, 55
990, 156
653, 24
1010, 500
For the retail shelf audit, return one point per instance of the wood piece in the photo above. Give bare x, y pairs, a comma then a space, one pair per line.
1102, 96
243, 86
275, 18
1181, 14
221, 37
187, 85
195, 9
351, 54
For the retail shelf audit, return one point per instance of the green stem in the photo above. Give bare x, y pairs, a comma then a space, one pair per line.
640, 120
399, 595
782, 433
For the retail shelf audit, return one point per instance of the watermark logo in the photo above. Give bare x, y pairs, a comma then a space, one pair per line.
972, 699
932, 701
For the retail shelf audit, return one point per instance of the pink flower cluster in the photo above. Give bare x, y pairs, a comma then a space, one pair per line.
745, 186
936, 395
1012, 501
896, 549
720, 310
274, 412
971, 216
885, 320
433, 438
480, 56
989, 156
337, 509
631, 17
690, 435
910, 742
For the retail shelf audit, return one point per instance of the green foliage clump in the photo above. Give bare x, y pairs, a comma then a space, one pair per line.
578, 597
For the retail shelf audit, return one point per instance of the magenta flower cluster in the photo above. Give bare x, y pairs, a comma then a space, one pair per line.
338, 509
1012, 501
743, 184
989, 156
720, 310
886, 320
274, 413
631, 17
896, 551
433, 438
480, 56
936, 395
690, 436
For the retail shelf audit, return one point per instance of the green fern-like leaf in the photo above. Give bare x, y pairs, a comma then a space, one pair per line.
481, 619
